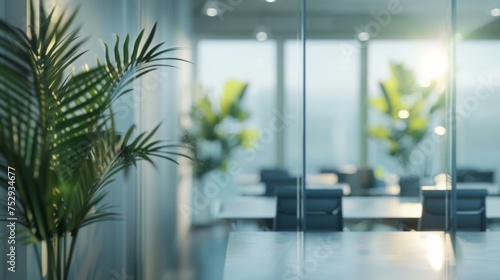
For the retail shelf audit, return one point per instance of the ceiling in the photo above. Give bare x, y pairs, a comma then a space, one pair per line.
345, 18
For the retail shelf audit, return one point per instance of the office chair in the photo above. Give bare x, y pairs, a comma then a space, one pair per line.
273, 184
361, 181
267, 174
409, 186
474, 176
471, 210
323, 210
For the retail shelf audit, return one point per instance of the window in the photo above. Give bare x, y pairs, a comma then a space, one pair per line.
332, 104
254, 62
427, 60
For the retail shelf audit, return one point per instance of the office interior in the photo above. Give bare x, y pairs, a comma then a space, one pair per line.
349, 120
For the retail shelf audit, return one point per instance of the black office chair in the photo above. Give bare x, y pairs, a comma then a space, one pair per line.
268, 174
474, 176
273, 184
323, 210
471, 210
361, 181
409, 186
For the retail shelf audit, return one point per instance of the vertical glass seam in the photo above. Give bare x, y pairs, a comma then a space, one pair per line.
304, 130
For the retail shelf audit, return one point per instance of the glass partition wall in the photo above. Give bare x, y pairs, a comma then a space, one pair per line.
377, 109
477, 152
245, 116
377, 83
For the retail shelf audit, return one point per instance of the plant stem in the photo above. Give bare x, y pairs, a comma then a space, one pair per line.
38, 259
70, 255
65, 253
51, 269
60, 239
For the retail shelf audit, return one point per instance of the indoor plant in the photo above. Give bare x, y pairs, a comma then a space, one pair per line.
408, 109
217, 131
212, 144
57, 128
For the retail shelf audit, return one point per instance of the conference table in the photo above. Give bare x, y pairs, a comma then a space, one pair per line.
353, 207
362, 255
256, 189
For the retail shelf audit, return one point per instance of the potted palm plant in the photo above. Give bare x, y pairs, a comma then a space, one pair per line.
407, 108
213, 144
57, 128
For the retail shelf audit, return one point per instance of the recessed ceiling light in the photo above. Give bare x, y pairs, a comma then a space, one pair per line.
212, 12
211, 8
364, 36
261, 36
495, 12
261, 33
270, 1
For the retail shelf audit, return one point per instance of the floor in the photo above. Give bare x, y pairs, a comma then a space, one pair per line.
205, 254
209, 251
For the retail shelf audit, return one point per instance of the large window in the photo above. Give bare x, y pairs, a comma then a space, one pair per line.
255, 63
332, 103
478, 96
427, 61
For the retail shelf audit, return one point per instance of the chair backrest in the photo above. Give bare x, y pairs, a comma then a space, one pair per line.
474, 176
277, 183
323, 210
409, 186
267, 174
361, 181
471, 210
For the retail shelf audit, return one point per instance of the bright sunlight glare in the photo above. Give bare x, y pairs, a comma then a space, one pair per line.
434, 65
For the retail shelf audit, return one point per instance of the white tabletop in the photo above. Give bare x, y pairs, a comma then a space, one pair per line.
258, 189
393, 190
478, 255
361, 255
353, 207
339, 255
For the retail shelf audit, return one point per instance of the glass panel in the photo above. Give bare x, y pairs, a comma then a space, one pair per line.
242, 43
220, 60
477, 154
414, 155
477, 78
334, 105
377, 130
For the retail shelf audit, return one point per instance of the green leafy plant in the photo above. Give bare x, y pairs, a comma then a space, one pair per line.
57, 128
212, 144
408, 109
